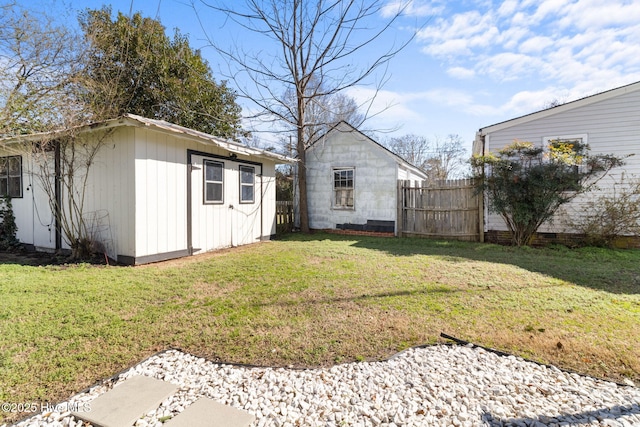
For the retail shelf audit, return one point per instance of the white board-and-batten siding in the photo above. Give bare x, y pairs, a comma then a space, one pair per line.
161, 170
610, 126
136, 196
160, 187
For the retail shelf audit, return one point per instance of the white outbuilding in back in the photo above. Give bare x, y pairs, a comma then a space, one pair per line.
155, 191
352, 182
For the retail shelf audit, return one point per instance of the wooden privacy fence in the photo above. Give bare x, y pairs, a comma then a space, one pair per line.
284, 216
450, 209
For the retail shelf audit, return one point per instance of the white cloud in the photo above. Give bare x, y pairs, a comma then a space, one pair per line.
509, 66
507, 8
525, 102
536, 44
461, 73
552, 40
596, 14
410, 8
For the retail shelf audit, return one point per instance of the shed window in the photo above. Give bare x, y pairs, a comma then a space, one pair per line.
247, 184
11, 176
213, 182
343, 180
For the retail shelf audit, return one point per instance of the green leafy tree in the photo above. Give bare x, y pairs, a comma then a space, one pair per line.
526, 184
132, 66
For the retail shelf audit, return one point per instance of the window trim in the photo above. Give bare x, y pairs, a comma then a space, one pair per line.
205, 201
583, 137
252, 185
334, 189
8, 176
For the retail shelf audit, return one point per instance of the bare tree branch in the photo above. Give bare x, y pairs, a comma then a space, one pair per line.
315, 44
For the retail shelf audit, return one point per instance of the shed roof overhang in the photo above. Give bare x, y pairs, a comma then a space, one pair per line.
167, 128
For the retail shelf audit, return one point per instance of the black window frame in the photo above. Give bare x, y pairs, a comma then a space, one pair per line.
205, 181
6, 175
241, 169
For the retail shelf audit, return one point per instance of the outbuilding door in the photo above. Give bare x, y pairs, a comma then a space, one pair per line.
34, 217
225, 204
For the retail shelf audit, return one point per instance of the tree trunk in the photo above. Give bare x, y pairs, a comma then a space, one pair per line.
302, 182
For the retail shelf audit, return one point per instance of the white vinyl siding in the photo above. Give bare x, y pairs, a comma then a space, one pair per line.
609, 126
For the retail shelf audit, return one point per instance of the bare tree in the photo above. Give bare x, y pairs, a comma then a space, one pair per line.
440, 159
415, 149
38, 66
62, 162
42, 110
316, 42
322, 112
447, 158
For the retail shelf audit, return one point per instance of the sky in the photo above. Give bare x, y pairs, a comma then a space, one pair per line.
473, 63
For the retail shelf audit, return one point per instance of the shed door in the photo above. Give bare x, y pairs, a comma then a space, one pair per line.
225, 203
34, 218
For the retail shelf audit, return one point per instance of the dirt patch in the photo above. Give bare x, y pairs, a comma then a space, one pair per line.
45, 258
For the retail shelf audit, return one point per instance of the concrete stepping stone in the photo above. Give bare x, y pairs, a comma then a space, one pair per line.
124, 404
206, 412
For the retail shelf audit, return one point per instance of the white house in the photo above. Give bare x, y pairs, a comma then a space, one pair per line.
608, 122
352, 182
156, 191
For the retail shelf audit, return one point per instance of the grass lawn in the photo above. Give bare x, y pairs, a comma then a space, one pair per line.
317, 300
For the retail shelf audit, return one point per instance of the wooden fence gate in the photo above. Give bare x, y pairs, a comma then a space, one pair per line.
449, 209
284, 216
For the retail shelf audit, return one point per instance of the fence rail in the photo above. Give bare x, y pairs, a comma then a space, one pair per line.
284, 216
449, 209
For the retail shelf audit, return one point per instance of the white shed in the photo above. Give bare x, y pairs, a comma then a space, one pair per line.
609, 122
156, 191
352, 182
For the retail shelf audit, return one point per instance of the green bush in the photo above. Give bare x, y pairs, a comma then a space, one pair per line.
610, 216
526, 184
8, 227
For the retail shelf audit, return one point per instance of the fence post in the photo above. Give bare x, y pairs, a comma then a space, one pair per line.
399, 208
480, 196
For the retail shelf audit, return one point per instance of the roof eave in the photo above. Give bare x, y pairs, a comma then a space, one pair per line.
560, 108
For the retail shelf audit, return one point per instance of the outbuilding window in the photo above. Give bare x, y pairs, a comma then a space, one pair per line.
213, 182
11, 176
343, 180
247, 184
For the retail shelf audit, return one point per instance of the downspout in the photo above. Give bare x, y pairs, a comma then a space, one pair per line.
58, 194
261, 205
189, 207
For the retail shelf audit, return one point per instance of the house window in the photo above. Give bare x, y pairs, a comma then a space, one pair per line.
11, 176
568, 142
247, 184
213, 182
343, 188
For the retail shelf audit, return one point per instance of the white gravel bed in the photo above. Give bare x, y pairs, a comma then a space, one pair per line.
433, 386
